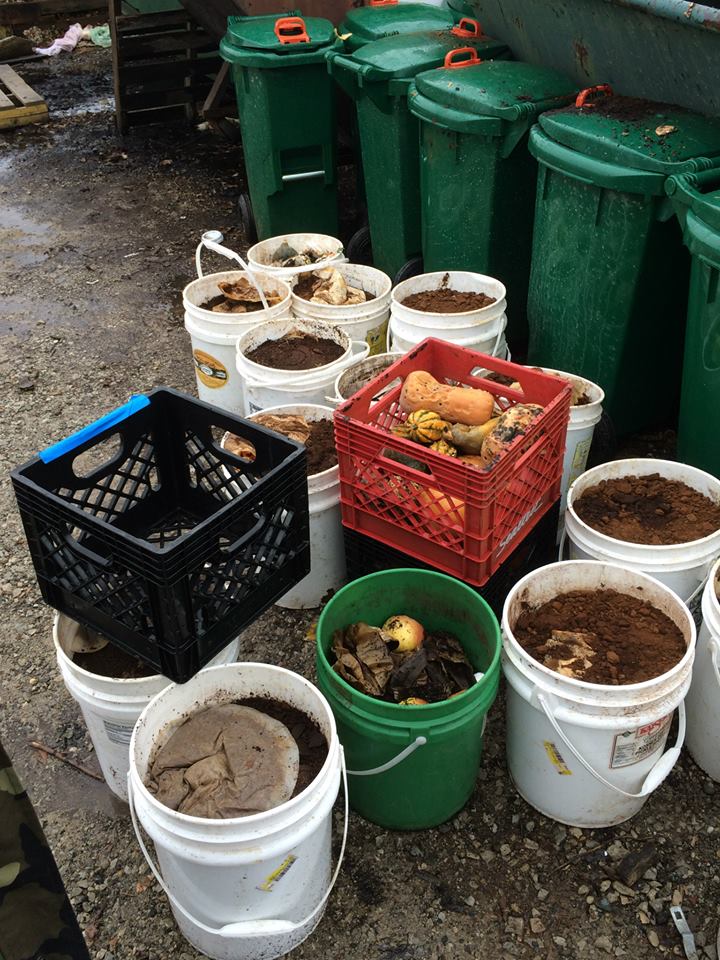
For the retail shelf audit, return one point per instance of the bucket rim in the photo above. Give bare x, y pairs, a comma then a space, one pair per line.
645, 549
266, 279
339, 247
413, 710
513, 645
253, 819
583, 380
441, 273
710, 596
296, 375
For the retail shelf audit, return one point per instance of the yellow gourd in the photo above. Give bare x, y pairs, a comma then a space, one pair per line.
442, 446
422, 426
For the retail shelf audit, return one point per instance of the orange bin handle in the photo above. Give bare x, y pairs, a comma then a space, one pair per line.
383, 3
581, 99
468, 28
291, 30
468, 57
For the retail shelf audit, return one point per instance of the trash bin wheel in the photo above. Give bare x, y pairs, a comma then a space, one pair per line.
409, 269
604, 442
247, 219
359, 247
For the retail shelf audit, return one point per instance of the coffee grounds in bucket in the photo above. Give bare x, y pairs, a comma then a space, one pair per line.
601, 636
111, 661
650, 509
447, 300
321, 453
296, 352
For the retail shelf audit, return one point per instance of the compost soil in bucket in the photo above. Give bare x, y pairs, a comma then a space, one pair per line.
296, 352
446, 300
111, 661
601, 636
236, 759
317, 435
650, 510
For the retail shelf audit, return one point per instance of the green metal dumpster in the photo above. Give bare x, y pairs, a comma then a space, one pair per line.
377, 76
286, 105
608, 281
696, 198
390, 18
477, 179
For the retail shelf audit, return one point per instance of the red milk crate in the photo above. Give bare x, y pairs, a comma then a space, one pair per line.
455, 517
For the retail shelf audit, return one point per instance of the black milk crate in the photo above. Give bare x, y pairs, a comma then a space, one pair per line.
365, 555
167, 544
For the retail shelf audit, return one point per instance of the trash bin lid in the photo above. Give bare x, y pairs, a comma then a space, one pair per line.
403, 57
498, 88
385, 18
640, 134
286, 34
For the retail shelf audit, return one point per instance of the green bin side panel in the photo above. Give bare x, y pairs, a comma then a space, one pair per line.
390, 152
698, 434
287, 120
477, 213
608, 286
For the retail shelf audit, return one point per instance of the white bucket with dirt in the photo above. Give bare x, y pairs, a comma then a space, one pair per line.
265, 255
265, 387
703, 700
362, 321
245, 888
589, 754
354, 377
214, 336
684, 567
327, 548
482, 328
110, 705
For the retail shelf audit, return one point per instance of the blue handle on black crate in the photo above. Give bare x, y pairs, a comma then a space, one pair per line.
135, 403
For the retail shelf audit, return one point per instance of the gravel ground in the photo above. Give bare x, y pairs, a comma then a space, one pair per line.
97, 238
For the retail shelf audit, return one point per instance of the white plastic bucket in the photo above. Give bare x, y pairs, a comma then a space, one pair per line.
682, 566
214, 336
489, 341
247, 888
354, 377
110, 706
590, 754
265, 387
262, 254
327, 549
703, 700
362, 321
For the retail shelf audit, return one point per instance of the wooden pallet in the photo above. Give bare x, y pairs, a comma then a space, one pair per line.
19, 104
164, 66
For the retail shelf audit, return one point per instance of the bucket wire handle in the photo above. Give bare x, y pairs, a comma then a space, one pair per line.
410, 748
655, 776
248, 928
563, 541
212, 239
714, 656
501, 331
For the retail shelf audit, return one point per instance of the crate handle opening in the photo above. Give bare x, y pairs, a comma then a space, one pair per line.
231, 549
135, 403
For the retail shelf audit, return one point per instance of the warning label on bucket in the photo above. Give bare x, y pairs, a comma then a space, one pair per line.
210, 370
118, 732
632, 746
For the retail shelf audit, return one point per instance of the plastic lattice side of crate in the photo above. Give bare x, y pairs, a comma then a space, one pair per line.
364, 555
454, 517
168, 544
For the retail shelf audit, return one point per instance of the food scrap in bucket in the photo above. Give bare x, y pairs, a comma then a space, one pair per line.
328, 286
317, 435
287, 256
601, 636
240, 296
400, 662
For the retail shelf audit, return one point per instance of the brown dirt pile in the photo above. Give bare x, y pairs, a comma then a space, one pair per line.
111, 661
296, 353
649, 509
601, 636
446, 300
321, 453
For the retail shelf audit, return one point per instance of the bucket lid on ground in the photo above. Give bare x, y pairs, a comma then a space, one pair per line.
458, 95
634, 133
272, 41
388, 18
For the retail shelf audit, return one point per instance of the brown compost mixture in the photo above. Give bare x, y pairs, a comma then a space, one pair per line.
303, 352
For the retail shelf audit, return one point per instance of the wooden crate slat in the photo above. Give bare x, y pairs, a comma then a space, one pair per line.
5, 101
19, 104
18, 88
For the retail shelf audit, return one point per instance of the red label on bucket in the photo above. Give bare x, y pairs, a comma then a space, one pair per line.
632, 746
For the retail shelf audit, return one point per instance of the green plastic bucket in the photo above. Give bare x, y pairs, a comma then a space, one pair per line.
411, 767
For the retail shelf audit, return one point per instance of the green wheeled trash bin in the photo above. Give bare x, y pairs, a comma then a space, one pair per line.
609, 273
696, 198
286, 105
477, 178
378, 76
390, 18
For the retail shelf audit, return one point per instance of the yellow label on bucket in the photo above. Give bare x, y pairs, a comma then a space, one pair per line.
278, 874
209, 370
556, 759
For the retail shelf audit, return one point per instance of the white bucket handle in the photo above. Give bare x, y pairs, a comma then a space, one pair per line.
563, 541
714, 656
501, 330
247, 928
655, 777
384, 767
211, 240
